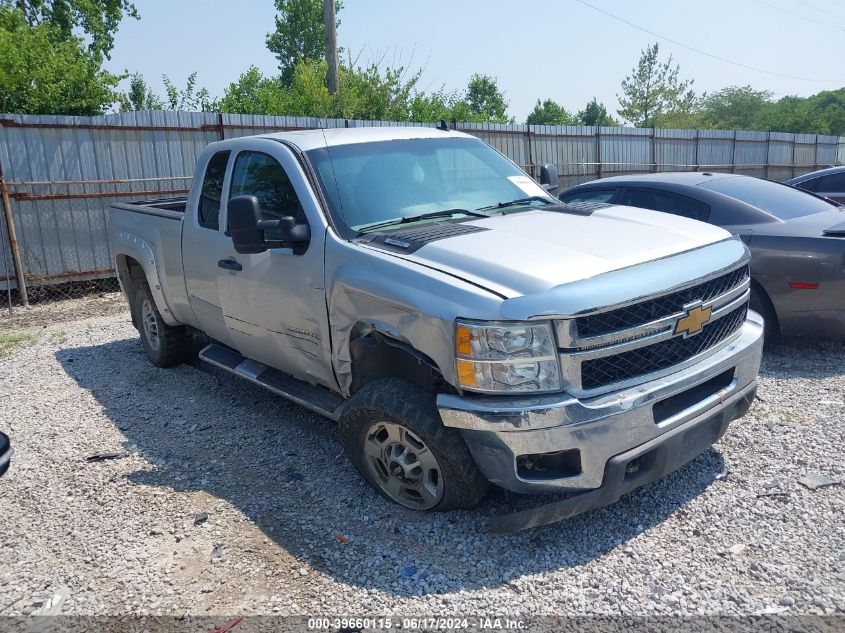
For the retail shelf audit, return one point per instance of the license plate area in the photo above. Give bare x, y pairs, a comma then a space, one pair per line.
688, 399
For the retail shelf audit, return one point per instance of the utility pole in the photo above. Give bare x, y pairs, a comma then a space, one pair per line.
331, 45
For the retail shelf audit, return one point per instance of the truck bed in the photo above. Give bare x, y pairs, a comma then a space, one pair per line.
156, 206
150, 231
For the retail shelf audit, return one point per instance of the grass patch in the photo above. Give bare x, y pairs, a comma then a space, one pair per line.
15, 340
59, 336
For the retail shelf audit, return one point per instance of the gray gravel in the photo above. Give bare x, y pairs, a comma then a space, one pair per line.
223, 499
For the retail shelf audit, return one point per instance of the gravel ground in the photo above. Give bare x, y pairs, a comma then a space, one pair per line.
227, 500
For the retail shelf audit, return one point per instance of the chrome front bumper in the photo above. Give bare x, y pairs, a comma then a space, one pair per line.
498, 430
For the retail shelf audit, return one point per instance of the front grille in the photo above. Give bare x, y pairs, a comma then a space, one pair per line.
600, 372
654, 309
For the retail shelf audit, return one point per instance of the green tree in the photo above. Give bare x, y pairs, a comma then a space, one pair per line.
99, 19
829, 107
791, 114
821, 113
550, 113
300, 33
653, 89
439, 104
485, 100
686, 119
364, 92
734, 108
42, 71
594, 113
139, 96
253, 93
188, 98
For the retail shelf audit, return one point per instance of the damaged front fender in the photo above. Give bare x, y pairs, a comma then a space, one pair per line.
369, 290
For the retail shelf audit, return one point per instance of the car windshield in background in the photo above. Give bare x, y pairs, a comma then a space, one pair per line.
780, 200
371, 183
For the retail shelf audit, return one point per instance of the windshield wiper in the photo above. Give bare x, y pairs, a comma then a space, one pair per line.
445, 213
518, 201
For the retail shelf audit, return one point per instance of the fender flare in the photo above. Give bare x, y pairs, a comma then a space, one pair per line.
130, 245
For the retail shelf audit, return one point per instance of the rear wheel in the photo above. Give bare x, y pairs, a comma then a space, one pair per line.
392, 433
165, 345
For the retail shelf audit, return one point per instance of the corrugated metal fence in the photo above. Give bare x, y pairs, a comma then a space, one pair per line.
61, 173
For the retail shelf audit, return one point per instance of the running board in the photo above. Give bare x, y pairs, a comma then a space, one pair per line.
318, 399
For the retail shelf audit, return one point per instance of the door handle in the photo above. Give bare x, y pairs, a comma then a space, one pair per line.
229, 264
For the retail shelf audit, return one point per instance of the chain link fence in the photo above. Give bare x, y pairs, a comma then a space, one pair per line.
61, 236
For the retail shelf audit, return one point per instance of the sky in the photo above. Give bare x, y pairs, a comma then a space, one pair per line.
558, 49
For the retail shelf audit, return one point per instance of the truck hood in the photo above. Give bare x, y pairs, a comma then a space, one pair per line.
533, 251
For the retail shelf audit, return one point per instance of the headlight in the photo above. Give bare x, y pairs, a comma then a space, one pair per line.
506, 357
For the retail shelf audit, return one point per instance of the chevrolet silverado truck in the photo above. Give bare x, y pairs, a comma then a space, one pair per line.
462, 325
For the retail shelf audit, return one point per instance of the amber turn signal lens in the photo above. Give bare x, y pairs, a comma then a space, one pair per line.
463, 340
466, 373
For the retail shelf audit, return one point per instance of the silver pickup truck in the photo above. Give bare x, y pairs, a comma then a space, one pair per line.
460, 323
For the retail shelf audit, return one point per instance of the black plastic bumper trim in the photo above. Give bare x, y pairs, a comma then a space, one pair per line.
649, 462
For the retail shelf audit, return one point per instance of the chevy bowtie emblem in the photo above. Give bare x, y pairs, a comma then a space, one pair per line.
692, 322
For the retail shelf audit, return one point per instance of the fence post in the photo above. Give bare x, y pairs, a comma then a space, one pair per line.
220, 126
598, 152
816, 162
13, 240
697, 141
768, 146
733, 154
530, 153
792, 160
653, 151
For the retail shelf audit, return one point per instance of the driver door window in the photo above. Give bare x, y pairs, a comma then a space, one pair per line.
260, 175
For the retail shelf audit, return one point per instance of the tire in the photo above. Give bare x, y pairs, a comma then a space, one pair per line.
392, 424
762, 305
166, 346
5, 446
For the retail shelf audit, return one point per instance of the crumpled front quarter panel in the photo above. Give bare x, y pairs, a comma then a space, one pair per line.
370, 290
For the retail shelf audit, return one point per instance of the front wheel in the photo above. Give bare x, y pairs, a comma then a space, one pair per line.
761, 304
394, 437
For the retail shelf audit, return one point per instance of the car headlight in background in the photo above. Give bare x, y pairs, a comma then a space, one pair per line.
506, 357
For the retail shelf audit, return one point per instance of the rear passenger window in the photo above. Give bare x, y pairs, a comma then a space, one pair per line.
834, 183
667, 202
260, 175
590, 195
212, 190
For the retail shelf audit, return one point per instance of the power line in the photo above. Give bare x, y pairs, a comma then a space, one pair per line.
701, 52
799, 16
812, 6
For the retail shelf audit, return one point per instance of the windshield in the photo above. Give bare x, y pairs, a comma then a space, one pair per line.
370, 183
780, 200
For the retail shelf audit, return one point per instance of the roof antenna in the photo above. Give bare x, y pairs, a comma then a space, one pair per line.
442, 126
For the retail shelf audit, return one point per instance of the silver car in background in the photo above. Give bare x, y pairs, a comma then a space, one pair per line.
797, 239
829, 182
